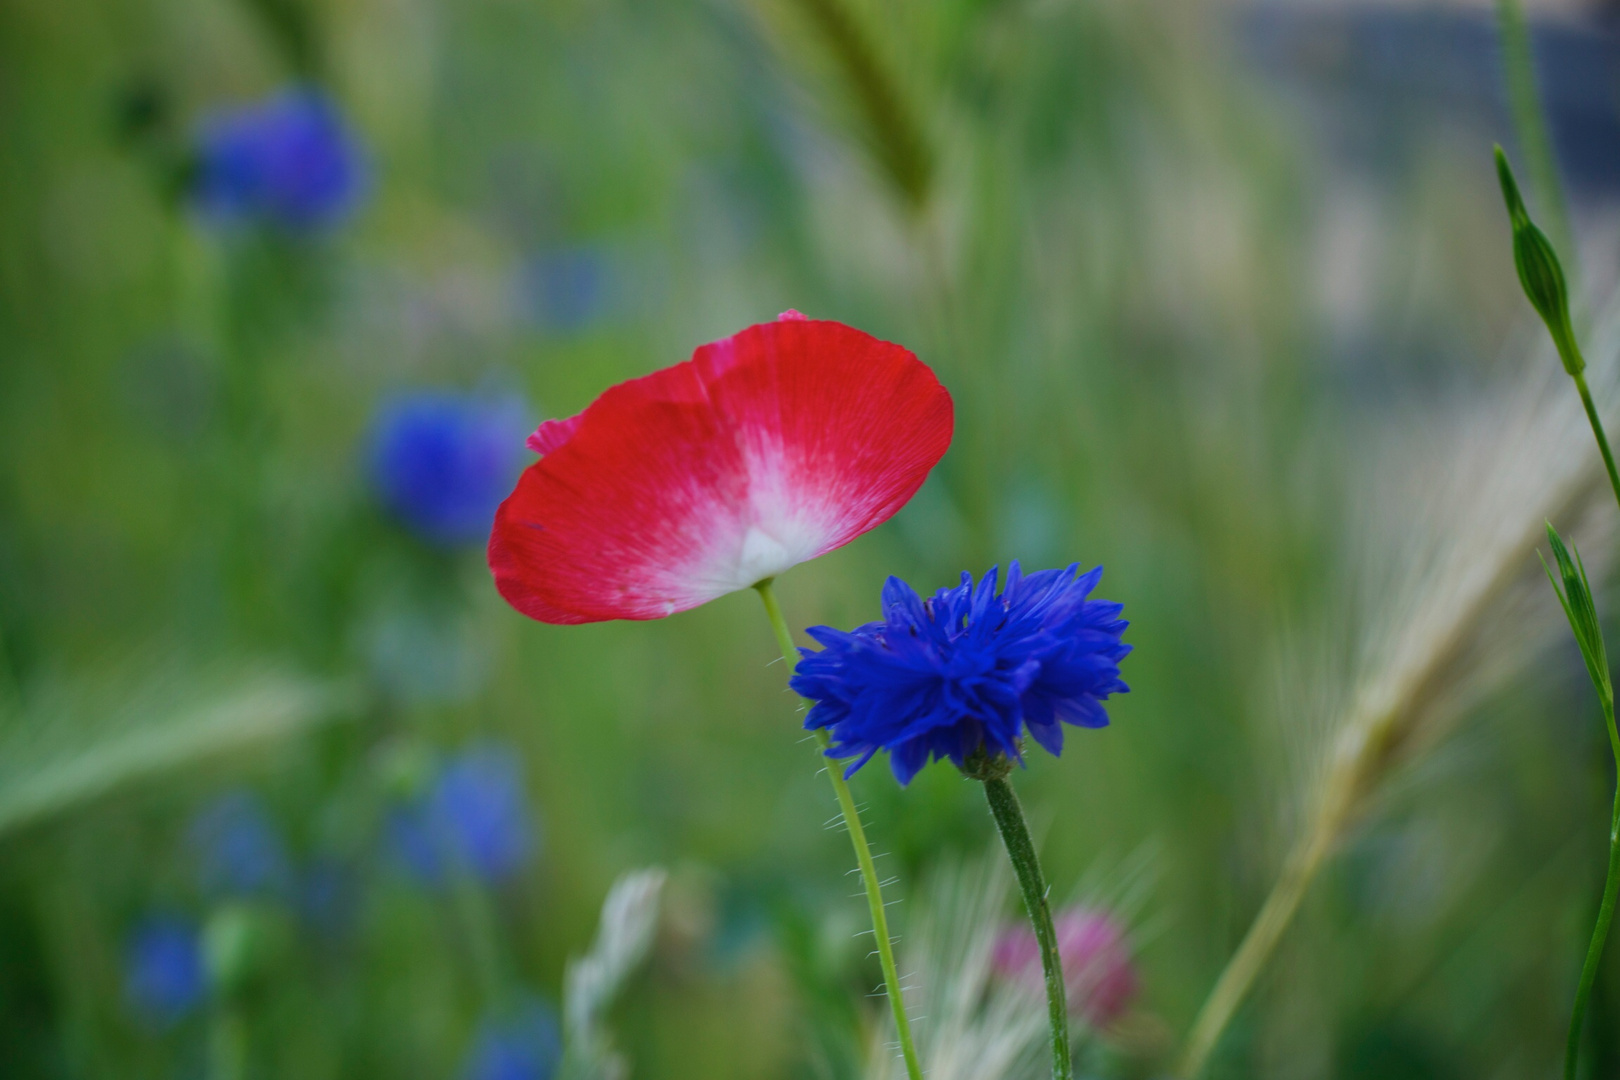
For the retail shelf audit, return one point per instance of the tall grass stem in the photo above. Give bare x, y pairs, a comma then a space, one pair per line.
1600, 932
473, 912
1251, 956
227, 1043
10, 685
1611, 882
863, 853
1602, 439
896, 139
1009, 817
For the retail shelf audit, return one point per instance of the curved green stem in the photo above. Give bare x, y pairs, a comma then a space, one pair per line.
1009, 817
863, 854
1597, 431
1255, 950
1611, 885
1600, 933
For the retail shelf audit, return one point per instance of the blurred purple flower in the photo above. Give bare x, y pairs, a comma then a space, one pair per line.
523, 1044
163, 969
1097, 967
475, 813
288, 159
442, 461
239, 849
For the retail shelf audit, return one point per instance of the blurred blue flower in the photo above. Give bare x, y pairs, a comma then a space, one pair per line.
288, 160
523, 1044
965, 669
329, 897
568, 289
164, 977
474, 814
239, 849
442, 462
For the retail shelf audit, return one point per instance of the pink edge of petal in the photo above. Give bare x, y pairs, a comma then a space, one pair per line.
793, 315
551, 434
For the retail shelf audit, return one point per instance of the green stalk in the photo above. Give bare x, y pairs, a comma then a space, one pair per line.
1611, 883
863, 853
1009, 817
1608, 457
1597, 661
471, 911
1518, 63
10, 686
227, 1043
1600, 932
477, 922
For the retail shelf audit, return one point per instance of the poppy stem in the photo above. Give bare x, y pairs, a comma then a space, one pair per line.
863, 852
1009, 815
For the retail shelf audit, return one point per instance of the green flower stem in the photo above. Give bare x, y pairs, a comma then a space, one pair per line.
863, 853
227, 1043
1518, 63
1602, 441
10, 686
1600, 932
1021, 850
478, 926
1611, 883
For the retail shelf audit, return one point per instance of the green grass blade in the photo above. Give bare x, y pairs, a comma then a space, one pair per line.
74, 743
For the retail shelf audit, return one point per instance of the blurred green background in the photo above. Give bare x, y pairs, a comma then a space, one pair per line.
1180, 263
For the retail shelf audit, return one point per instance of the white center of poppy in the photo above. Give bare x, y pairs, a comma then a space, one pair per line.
762, 556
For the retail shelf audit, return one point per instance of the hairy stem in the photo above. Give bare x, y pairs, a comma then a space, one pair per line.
1015, 835
863, 854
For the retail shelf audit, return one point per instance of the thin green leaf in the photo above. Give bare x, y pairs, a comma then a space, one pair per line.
79, 740
1575, 595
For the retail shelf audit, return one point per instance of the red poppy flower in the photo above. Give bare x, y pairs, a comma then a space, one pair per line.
778, 444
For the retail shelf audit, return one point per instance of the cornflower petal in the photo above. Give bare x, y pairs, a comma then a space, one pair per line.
969, 668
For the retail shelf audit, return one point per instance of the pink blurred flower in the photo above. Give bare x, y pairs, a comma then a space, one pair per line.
1096, 962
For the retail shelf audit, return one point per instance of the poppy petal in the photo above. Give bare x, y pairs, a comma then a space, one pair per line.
766, 449
553, 433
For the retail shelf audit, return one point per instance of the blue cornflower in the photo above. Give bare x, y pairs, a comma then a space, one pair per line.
475, 813
239, 848
523, 1044
288, 160
164, 977
966, 669
442, 461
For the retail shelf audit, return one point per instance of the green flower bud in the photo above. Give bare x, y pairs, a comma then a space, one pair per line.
1540, 273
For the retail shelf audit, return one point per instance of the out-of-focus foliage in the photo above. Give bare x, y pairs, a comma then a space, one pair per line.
1198, 277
